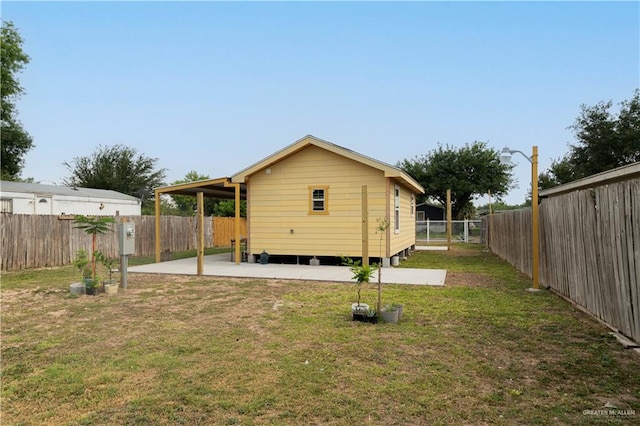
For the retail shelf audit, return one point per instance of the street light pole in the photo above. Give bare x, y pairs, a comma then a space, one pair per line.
506, 157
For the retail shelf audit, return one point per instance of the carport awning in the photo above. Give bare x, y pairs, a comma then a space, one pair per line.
221, 188
211, 188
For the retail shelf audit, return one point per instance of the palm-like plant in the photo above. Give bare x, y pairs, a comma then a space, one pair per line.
93, 226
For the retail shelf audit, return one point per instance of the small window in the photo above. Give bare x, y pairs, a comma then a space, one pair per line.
6, 205
413, 205
397, 209
318, 200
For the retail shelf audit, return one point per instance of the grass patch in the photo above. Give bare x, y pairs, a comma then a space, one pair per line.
61, 277
201, 350
461, 258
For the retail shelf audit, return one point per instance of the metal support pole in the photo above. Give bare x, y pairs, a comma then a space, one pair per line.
466, 230
124, 261
427, 229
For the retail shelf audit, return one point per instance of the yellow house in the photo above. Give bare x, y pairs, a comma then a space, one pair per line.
315, 198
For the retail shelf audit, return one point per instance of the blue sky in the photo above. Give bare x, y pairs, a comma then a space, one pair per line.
216, 86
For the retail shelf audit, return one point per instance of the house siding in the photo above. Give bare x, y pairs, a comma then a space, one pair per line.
279, 204
406, 237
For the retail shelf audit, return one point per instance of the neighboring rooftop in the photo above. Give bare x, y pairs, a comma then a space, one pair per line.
629, 171
40, 189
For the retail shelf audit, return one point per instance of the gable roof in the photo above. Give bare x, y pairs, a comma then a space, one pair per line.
47, 190
310, 140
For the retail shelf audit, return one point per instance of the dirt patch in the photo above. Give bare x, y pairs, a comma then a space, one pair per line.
58, 314
468, 279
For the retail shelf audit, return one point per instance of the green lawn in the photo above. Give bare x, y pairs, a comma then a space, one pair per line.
188, 350
62, 276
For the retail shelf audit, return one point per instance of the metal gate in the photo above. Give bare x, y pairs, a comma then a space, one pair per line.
466, 231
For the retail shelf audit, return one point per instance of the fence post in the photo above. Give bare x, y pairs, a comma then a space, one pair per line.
427, 230
466, 230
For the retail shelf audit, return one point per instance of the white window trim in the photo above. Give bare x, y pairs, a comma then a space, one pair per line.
413, 205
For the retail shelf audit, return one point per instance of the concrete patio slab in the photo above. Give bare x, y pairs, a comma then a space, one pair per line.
432, 248
219, 265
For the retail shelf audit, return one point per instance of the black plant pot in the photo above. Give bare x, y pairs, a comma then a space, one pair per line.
91, 291
365, 317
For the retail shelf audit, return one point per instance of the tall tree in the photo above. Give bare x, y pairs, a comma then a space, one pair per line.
15, 142
469, 171
212, 207
604, 141
118, 168
227, 208
187, 204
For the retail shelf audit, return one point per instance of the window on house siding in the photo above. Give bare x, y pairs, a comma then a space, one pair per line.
413, 205
318, 200
6, 205
397, 209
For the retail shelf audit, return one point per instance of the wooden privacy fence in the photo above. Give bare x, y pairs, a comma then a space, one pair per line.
35, 241
589, 249
225, 230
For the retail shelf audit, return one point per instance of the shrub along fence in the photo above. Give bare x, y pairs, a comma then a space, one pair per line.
589, 245
35, 241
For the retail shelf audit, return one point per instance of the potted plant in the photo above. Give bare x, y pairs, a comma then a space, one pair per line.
400, 308
390, 313
110, 264
362, 274
90, 283
93, 226
80, 262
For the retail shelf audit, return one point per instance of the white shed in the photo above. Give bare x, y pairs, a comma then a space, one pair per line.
35, 198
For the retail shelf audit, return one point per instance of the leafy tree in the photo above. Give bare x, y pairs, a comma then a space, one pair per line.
501, 206
227, 208
15, 142
186, 204
167, 208
604, 141
118, 168
468, 171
